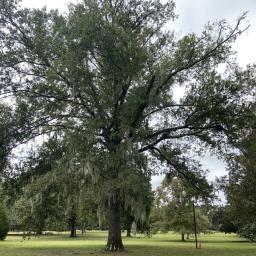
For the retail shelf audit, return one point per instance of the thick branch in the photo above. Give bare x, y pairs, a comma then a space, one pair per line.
195, 131
143, 105
175, 165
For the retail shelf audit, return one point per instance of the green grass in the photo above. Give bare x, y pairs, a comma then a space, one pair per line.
93, 242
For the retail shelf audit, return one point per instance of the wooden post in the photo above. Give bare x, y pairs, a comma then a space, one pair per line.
195, 224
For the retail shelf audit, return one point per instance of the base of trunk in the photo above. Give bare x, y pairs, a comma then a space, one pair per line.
72, 222
114, 232
114, 248
73, 235
128, 233
73, 231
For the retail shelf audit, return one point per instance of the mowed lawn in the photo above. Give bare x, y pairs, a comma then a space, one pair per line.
93, 242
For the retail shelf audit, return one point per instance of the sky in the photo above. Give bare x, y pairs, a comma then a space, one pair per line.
193, 15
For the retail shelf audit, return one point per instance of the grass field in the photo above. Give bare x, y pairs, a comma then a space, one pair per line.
93, 242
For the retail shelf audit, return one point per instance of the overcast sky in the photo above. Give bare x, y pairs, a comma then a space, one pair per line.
193, 15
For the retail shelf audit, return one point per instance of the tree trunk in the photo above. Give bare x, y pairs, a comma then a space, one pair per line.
128, 232
73, 228
187, 235
100, 219
114, 230
39, 232
83, 229
183, 237
72, 222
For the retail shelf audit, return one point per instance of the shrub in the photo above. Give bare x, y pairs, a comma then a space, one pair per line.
249, 231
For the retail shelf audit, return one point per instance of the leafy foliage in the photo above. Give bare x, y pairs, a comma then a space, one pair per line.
239, 186
106, 72
174, 207
49, 190
6, 123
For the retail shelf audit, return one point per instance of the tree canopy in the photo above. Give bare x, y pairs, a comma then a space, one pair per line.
106, 71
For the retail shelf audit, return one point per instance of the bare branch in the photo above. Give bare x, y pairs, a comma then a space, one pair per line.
210, 53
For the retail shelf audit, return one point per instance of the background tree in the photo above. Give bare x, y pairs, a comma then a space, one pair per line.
6, 124
239, 186
222, 219
107, 71
174, 200
4, 223
4, 219
50, 192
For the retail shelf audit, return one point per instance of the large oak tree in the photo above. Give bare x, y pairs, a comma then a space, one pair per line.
107, 71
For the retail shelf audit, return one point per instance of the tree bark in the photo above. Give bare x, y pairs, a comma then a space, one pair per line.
72, 221
183, 237
114, 231
73, 229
